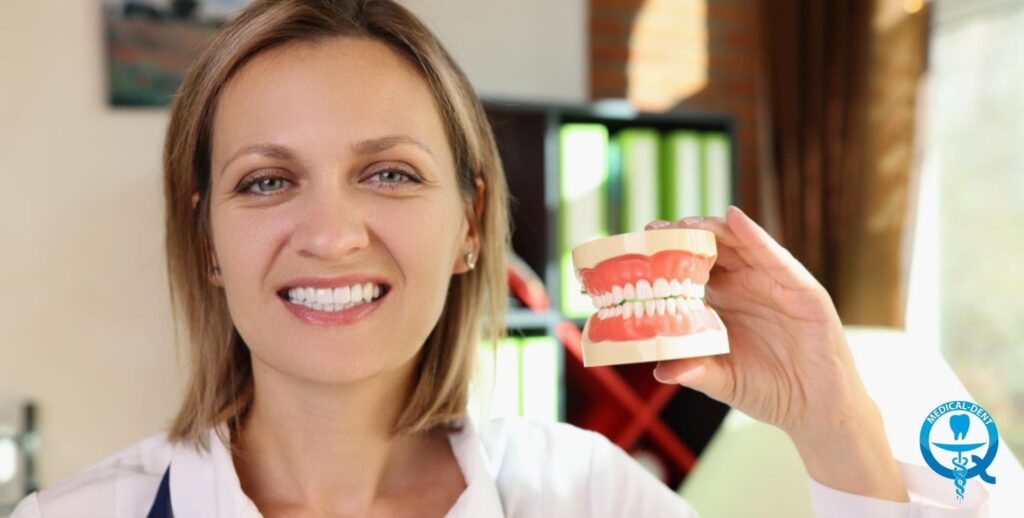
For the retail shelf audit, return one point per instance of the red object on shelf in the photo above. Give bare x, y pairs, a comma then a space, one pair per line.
526, 285
644, 413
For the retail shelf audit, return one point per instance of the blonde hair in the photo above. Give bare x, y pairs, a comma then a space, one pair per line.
220, 387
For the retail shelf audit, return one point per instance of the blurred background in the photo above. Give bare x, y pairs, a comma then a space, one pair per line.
878, 140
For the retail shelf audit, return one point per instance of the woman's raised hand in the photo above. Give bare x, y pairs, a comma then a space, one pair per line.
789, 363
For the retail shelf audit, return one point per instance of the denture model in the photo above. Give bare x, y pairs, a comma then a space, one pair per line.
648, 288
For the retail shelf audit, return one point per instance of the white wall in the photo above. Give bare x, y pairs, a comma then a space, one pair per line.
85, 326
515, 48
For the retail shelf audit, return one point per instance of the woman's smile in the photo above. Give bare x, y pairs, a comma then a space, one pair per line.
334, 302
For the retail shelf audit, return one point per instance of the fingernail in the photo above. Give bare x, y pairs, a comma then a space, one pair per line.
692, 220
659, 223
660, 380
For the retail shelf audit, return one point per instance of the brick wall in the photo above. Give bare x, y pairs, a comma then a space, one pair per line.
699, 55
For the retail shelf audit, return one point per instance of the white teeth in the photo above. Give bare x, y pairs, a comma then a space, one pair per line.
643, 290
629, 300
335, 299
675, 289
343, 295
689, 289
617, 294
682, 306
325, 296
660, 288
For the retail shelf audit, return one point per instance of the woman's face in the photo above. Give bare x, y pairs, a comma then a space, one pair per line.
331, 169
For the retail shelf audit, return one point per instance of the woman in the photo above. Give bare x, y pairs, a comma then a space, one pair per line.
336, 229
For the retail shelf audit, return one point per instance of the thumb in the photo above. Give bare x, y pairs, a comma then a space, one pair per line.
703, 374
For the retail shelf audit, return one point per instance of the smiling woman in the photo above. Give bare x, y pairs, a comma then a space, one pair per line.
336, 232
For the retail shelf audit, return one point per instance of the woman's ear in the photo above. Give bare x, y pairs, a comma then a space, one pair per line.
471, 242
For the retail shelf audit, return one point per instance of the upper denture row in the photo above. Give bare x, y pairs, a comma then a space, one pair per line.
645, 290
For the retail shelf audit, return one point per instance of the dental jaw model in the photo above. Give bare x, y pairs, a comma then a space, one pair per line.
648, 288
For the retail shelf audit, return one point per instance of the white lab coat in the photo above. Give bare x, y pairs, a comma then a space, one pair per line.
513, 468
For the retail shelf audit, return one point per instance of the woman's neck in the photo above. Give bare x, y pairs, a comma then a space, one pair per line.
328, 449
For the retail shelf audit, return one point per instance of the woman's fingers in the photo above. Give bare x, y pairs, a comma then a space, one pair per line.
729, 258
706, 374
759, 248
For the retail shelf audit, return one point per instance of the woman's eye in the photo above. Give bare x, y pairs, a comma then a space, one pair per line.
393, 177
264, 185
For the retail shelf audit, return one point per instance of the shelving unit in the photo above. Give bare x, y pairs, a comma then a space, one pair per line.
625, 403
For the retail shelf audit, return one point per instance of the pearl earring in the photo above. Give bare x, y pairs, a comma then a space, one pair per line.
471, 260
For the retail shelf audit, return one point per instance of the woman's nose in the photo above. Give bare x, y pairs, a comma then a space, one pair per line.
332, 226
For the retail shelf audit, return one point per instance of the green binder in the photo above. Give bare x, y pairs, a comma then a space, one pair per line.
639, 150
682, 189
717, 155
582, 208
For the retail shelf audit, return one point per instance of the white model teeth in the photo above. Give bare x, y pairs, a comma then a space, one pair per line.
660, 288
675, 288
335, 299
643, 290
627, 310
689, 289
628, 292
637, 308
617, 296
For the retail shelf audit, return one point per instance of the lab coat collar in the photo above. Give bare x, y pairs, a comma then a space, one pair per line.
206, 485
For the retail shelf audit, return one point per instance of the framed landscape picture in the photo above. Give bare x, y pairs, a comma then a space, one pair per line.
150, 44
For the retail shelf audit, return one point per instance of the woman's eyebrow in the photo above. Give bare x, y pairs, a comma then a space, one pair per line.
366, 147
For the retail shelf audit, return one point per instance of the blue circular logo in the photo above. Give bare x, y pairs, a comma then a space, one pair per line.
946, 434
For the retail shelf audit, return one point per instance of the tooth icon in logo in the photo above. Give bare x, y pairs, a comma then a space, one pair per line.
959, 423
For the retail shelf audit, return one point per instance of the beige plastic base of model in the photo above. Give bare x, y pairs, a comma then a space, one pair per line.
704, 343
